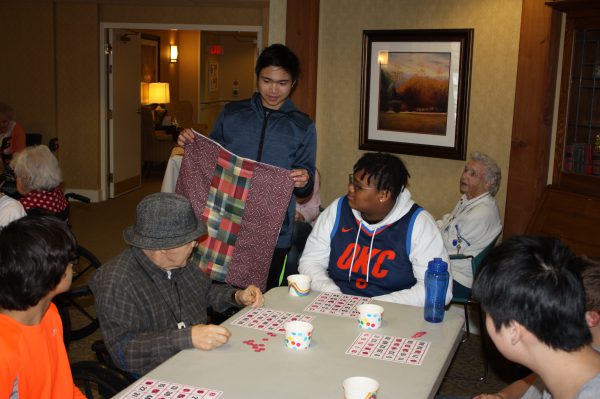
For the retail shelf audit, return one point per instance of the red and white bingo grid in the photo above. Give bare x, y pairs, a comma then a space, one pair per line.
337, 304
390, 348
266, 319
156, 389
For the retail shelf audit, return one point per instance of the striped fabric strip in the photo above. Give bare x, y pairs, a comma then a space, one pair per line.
223, 212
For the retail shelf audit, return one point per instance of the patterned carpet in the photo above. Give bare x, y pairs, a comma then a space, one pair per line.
98, 227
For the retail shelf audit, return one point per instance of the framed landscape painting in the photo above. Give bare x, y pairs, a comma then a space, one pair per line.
415, 91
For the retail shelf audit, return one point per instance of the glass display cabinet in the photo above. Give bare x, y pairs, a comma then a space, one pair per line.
577, 151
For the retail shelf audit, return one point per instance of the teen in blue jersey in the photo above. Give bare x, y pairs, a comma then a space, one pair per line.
375, 241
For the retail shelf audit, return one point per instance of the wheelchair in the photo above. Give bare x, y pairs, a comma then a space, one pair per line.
78, 321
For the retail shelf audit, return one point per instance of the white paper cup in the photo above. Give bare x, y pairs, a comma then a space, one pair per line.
298, 334
298, 285
360, 388
369, 316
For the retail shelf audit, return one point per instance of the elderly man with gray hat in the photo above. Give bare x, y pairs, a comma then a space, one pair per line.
150, 302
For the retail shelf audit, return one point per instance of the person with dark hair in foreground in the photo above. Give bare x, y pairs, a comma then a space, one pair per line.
36, 264
269, 128
534, 299
151, 301
375, 241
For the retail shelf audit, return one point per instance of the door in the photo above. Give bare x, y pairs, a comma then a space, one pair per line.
124, 101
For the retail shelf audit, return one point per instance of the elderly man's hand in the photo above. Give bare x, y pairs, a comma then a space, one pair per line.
251, 296
186, 136
207, 337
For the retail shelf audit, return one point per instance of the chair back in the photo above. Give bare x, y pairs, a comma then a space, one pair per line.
476, 261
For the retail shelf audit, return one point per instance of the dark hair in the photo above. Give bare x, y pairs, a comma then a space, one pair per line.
388, 171
534, 281
34, 254
590, 276
280, 56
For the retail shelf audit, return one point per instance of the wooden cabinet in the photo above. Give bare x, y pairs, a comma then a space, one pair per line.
570, 207
577, 150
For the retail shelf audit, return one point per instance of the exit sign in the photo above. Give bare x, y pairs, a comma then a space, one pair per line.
215, 49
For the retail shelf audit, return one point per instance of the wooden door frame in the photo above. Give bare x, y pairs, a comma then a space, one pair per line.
302, 36
533, 112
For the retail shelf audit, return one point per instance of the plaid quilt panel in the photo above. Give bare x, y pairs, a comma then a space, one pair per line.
243, 203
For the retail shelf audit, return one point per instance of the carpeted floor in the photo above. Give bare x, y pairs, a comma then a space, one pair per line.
98, 227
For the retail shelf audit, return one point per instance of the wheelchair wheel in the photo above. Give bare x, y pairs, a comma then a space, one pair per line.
99, 381
77, 305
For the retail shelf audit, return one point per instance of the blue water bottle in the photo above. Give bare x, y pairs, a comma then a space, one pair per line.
436, 285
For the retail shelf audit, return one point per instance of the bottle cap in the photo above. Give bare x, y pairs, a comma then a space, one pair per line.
437, 265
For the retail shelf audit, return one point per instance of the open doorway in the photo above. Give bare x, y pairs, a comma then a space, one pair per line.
214, 66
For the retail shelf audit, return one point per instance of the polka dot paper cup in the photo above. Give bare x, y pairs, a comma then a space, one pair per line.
369, 316
297, 334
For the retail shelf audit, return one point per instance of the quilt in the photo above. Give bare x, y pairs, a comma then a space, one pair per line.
243, 203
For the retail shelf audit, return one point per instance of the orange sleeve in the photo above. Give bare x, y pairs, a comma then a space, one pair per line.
77, 393
17, 142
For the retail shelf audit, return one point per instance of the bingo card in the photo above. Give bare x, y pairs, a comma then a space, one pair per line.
266, 319
337, 304
155, 389
390, 348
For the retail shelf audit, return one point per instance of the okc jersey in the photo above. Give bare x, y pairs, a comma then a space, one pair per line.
371, 263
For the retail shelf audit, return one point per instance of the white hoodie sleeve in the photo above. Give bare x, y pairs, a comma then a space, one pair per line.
426, 244
315, 258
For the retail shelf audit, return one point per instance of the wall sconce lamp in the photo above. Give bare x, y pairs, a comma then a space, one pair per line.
174, 53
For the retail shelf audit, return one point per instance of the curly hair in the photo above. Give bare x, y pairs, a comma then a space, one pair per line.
37, 168
388, 171
493, 175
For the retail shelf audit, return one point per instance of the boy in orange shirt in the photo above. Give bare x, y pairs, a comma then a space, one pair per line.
36, 264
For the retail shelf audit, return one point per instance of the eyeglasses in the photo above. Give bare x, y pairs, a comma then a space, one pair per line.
357, 186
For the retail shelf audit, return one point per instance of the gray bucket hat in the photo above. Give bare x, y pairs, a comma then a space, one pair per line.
164, 221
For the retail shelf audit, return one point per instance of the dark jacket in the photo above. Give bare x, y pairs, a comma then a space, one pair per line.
288, 139
139, 305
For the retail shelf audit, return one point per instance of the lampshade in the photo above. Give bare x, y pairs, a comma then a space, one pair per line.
144, 93
159, 93
174, 53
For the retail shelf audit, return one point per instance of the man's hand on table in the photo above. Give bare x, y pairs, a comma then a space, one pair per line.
207, 337
251, 296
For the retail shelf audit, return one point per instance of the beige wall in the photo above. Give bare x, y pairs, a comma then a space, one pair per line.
52, 76
277, 22
434, 182
189, 67
236, 63
57, 93
27, 69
